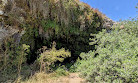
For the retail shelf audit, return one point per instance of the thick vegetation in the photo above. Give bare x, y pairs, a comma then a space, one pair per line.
67, 22
49, 57
115, 58
29, 55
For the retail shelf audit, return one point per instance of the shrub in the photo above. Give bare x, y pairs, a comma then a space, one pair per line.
48, 57
115, 58
61, 71
13, 57
50, 24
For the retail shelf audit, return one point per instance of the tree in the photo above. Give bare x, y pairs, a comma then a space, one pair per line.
21, 56
49, 56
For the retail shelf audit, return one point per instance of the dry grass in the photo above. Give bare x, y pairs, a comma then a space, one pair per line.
41, 77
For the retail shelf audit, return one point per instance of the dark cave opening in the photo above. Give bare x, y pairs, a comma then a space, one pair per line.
73, 45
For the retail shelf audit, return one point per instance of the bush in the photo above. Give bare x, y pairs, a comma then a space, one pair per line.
115, 58
50, 56
61, 71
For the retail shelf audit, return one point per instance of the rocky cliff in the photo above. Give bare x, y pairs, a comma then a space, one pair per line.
39, 22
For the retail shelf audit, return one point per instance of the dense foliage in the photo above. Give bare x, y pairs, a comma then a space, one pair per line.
12, 59
116, 56
32, 25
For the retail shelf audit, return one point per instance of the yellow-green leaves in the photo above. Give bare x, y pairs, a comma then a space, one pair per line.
49, 56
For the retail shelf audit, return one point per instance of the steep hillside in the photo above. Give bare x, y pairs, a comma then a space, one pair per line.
37, 23
68, 22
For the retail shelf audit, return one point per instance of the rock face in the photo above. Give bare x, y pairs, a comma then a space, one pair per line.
7, 32
108, 23
69, 22
61, 11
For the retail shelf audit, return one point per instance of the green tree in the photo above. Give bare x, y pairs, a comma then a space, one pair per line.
21, 56
115, 58
49, 56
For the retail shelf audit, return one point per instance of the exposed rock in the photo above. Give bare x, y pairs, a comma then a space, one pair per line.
108, 23
1, 12
122, 27
6, 31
